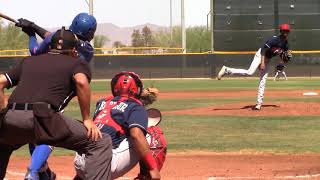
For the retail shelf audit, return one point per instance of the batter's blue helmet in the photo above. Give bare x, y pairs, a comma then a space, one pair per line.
84, 26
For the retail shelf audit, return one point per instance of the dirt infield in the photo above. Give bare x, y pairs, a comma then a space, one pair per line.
206, 166
245, 109
244, 93
222, 166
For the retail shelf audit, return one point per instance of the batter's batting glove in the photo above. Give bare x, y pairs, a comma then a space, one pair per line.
24, 23
29, 31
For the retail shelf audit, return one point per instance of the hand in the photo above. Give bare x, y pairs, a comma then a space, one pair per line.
29, 31
24, 23
93, 132
262, 66
154, 174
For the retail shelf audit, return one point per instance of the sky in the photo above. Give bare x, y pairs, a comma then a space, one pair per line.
123, 13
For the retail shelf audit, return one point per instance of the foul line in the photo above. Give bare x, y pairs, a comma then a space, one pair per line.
13, 173
275, 177
23, 174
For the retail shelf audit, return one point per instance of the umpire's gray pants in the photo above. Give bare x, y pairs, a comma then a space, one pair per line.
18, 129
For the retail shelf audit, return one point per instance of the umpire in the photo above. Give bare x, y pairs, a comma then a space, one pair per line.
44, 86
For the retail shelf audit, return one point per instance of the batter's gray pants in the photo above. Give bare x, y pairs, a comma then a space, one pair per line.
18, 129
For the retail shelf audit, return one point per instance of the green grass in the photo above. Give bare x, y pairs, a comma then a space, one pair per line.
232, 134
227, 133
225, 84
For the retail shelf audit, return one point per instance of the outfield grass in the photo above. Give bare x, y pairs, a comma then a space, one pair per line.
228, 133
234, 134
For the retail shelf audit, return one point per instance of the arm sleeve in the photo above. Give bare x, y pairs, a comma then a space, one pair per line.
270, 43
13, 75
82, 67
41, 48
85, 50
138, 118
33, 44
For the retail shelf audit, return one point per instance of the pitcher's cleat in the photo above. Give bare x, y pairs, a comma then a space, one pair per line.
257, 107
222, 72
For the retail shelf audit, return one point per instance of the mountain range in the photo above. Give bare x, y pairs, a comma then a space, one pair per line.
123, 34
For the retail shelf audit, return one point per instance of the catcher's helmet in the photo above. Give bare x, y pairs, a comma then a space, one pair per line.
126, 84
84, 26
285, 27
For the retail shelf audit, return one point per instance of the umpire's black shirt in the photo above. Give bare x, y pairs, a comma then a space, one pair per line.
46, 78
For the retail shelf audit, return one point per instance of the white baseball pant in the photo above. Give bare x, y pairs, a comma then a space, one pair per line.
252, 69
124, 158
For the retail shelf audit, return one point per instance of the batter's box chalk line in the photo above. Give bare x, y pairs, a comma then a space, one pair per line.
307, 176
20, 174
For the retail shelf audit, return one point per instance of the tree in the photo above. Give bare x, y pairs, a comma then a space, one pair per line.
118, 44
99, 42
198, 38
11, 37
163, 38
136, 38
147, 36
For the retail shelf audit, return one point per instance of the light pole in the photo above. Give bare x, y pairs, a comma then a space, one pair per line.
212, 10
91, 7
90, 4
183, 29
171, 33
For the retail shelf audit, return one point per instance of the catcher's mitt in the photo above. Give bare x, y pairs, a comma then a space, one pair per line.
149, 95
286, 56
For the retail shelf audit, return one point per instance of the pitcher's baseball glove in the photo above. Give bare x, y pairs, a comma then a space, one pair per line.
149, 95
286, 56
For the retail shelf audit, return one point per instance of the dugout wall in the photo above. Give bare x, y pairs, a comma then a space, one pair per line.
243, 25
184, 65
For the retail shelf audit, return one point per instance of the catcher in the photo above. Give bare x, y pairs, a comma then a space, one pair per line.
277, 45
125, 119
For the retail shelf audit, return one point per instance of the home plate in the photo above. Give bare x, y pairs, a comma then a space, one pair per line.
310, 94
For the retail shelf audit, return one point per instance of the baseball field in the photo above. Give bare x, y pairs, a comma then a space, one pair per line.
212, 132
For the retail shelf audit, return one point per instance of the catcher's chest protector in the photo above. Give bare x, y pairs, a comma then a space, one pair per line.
158, 145
104, 116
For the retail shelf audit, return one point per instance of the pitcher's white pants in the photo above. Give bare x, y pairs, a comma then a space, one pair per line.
252, 69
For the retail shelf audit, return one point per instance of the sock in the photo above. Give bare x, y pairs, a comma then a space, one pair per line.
39, 157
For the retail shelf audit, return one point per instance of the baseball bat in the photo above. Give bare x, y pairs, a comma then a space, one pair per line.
8, 18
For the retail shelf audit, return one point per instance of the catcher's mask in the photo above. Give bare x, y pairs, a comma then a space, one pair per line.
126, 84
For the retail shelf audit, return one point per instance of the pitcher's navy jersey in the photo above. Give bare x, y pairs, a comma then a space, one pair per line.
127, 113
275, 46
